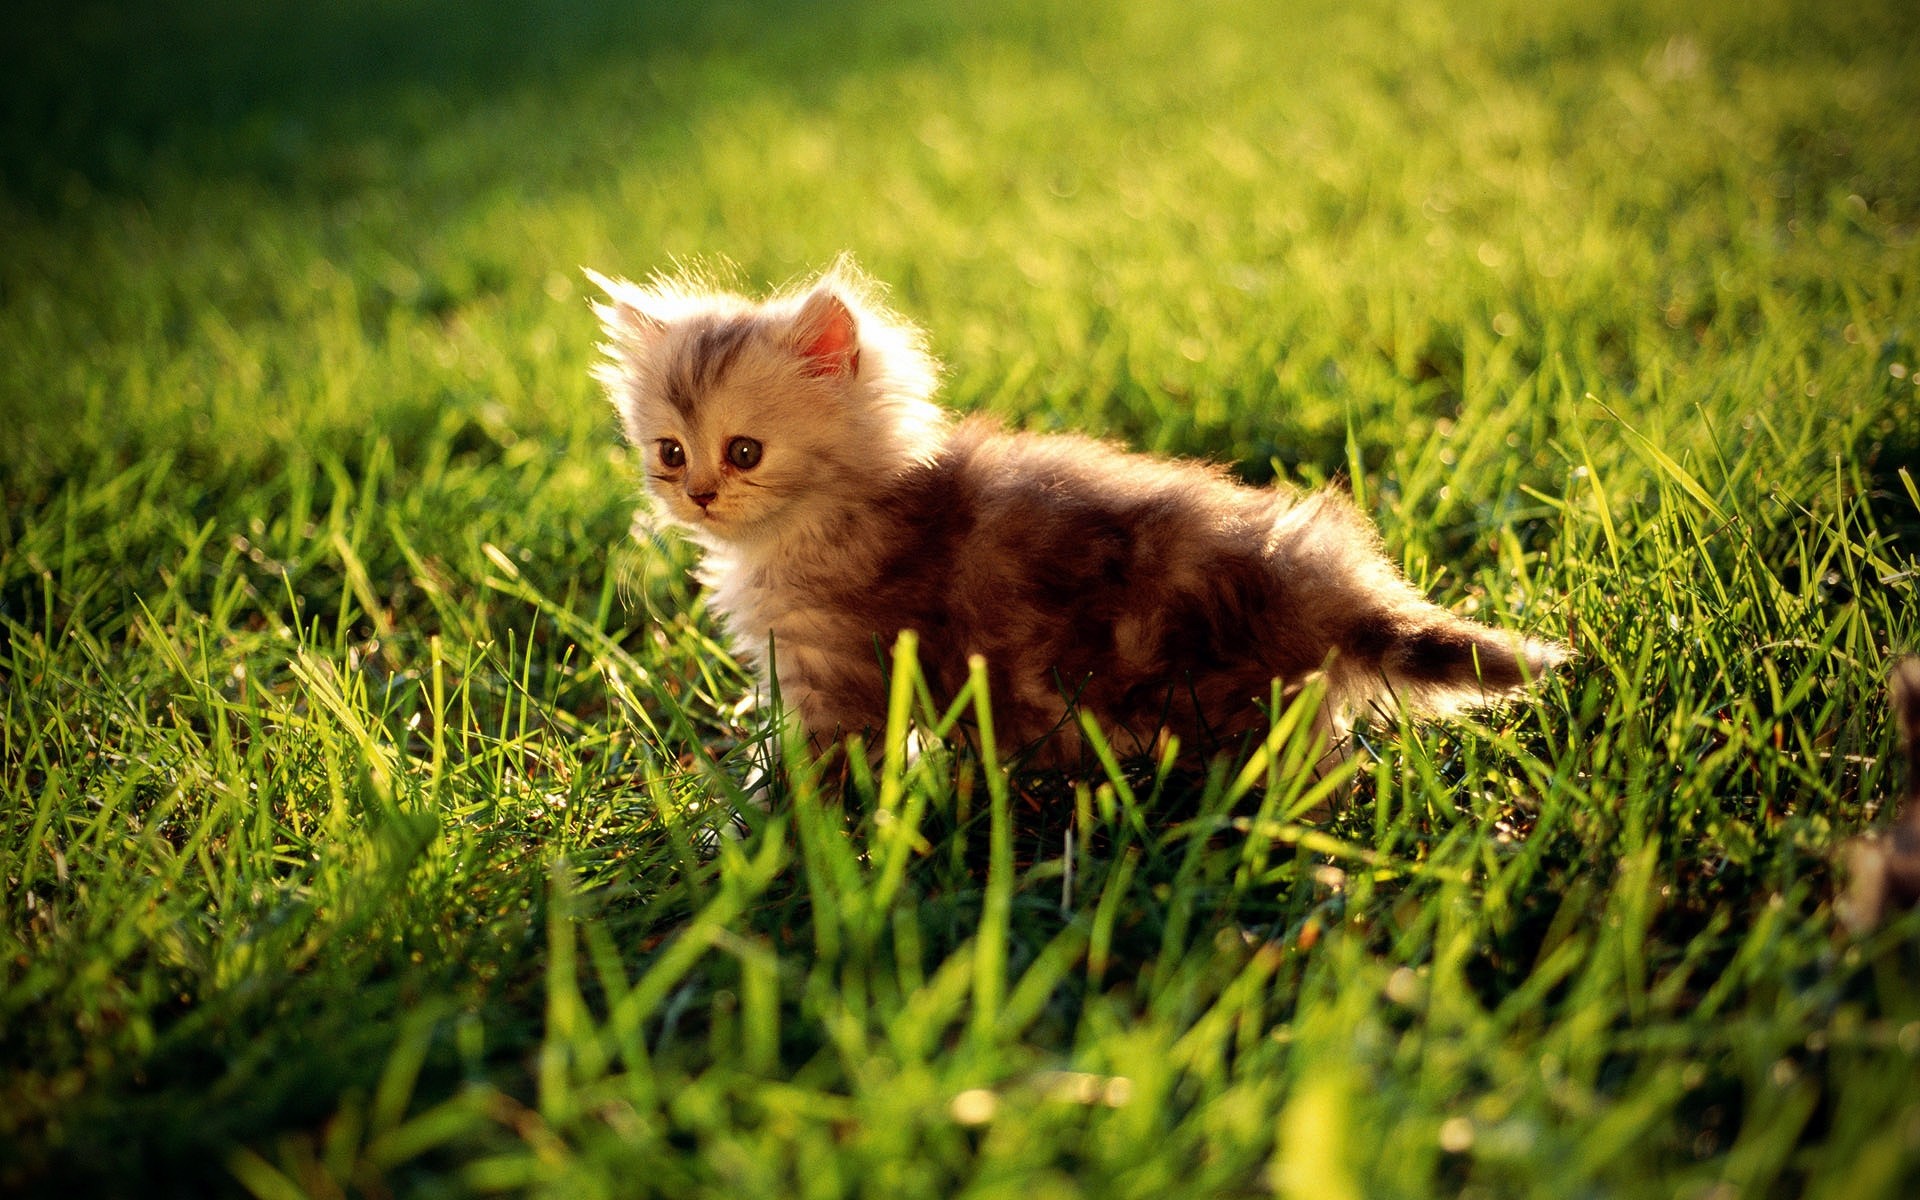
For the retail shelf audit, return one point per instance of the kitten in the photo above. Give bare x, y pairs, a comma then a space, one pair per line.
797, 442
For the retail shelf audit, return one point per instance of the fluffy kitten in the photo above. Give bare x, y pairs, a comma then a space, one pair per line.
796, 441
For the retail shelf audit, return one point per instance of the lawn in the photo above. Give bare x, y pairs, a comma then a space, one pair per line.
369, 789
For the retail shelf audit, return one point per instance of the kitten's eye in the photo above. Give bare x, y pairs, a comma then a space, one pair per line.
671, 453
744, 453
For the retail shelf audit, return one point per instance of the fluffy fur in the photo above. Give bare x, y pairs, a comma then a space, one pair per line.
1161, 596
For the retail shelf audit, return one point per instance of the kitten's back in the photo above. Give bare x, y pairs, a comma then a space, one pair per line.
1160, 595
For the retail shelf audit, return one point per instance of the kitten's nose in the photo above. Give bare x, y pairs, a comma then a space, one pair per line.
702, 498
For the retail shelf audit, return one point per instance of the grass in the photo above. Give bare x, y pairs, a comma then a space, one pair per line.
362, 776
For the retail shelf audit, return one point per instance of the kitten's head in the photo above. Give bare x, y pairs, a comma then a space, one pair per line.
758, 419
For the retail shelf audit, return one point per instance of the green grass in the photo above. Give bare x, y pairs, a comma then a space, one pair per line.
361, 774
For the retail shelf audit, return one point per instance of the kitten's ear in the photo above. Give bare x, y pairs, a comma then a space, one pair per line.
827, 336
624, 316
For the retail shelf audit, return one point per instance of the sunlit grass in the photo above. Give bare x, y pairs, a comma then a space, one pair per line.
381, 817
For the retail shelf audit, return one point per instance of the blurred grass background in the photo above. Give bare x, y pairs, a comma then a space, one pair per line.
359, 767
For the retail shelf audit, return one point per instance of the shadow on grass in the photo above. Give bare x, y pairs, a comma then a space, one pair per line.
94, 95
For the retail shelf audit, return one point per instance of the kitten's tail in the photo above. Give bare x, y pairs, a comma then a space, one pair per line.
1438, 664
1391, 643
